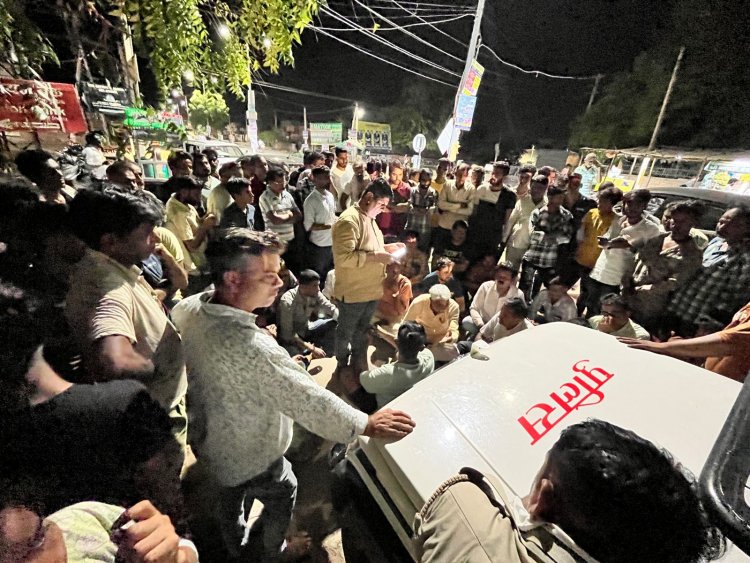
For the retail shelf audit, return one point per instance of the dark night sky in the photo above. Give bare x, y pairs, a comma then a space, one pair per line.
558, 36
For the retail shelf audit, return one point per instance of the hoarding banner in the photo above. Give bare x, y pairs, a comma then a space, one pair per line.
374, 135
326, 133
33, 105
138, 118
473, 79
465, 111
104, 99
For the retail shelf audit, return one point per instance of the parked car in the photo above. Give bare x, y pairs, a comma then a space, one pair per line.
228, 152
502, 415
715, 201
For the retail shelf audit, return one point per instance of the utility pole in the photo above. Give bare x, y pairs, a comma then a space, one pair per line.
304, 127
471, 54
129, 63
594, 91
252, 120
665, 102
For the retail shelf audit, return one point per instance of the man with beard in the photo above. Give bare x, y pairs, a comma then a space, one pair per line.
494, 203
192, 230
664, 264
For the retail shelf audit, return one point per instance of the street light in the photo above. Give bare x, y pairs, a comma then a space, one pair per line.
223, 31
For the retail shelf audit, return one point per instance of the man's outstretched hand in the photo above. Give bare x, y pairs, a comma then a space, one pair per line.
656, 347
388, 423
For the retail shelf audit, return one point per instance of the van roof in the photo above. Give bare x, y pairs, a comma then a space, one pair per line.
503, 415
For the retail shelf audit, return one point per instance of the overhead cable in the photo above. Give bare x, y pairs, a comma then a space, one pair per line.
536, 72
373, 35
381, 59
291, 90
440, 31
415, 24
409, 33
437, 5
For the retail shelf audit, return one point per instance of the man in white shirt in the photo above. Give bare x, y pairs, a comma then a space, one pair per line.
553, 304
455, 203
615, 319
93, 155
620, 244
510, 320
246, 392
341, 175
280, 212
319, 216
219, 199
490, 297
520, 237
202, 173
355, 187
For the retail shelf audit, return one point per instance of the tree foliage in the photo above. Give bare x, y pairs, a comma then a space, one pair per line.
23, 47
709, 107
208, 108
625, 114
218, 42
419, 109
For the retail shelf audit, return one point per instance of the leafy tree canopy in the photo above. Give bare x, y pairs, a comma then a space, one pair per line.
218, 42
419, 109
709, 107
208, 109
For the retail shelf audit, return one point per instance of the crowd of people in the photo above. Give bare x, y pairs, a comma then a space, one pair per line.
138, 326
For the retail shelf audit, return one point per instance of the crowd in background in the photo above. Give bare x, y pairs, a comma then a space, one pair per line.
214, 290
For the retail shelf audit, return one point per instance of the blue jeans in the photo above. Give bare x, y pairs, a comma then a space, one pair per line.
469, 327
276, 488
351, 331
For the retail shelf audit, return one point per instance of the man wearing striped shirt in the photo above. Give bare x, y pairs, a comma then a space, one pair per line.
280, 212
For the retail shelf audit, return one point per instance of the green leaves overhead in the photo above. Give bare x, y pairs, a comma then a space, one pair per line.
208, 108
215, 44
23, 48
221, 42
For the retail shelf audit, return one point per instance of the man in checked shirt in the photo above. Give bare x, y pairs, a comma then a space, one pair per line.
549, 227
722, 285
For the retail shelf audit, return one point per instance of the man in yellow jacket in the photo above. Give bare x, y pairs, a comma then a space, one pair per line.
359, 258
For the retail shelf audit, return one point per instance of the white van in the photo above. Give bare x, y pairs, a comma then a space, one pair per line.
503, 414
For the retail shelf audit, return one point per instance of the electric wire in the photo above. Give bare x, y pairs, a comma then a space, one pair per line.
292, 90
440, 31
535, 72
381, 59
371, 34
415, 24
409, 33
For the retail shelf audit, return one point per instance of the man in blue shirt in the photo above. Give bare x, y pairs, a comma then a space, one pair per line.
590, 176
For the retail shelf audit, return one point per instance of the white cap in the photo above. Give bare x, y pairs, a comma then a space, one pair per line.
440, 291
